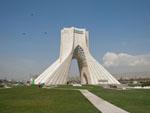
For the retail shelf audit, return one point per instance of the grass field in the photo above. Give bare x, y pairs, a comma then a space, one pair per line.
134, 101
37, 100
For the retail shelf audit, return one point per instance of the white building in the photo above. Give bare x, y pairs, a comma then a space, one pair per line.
75, 44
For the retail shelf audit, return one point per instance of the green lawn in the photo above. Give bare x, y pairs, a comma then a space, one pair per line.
134, 101
37, 100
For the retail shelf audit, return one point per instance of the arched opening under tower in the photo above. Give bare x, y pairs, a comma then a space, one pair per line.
78, 70
74, 73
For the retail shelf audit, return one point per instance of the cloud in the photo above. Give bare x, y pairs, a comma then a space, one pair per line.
111, 59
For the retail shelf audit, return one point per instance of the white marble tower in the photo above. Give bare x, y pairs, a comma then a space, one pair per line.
75, 44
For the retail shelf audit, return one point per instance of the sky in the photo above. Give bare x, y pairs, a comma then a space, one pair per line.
30, 33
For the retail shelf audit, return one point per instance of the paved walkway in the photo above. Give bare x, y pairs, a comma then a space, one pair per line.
100, 104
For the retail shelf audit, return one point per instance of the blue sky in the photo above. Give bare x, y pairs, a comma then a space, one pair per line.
30, 30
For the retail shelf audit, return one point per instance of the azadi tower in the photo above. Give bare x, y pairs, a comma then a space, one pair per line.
75, 44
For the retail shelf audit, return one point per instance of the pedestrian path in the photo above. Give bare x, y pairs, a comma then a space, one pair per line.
100, 104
